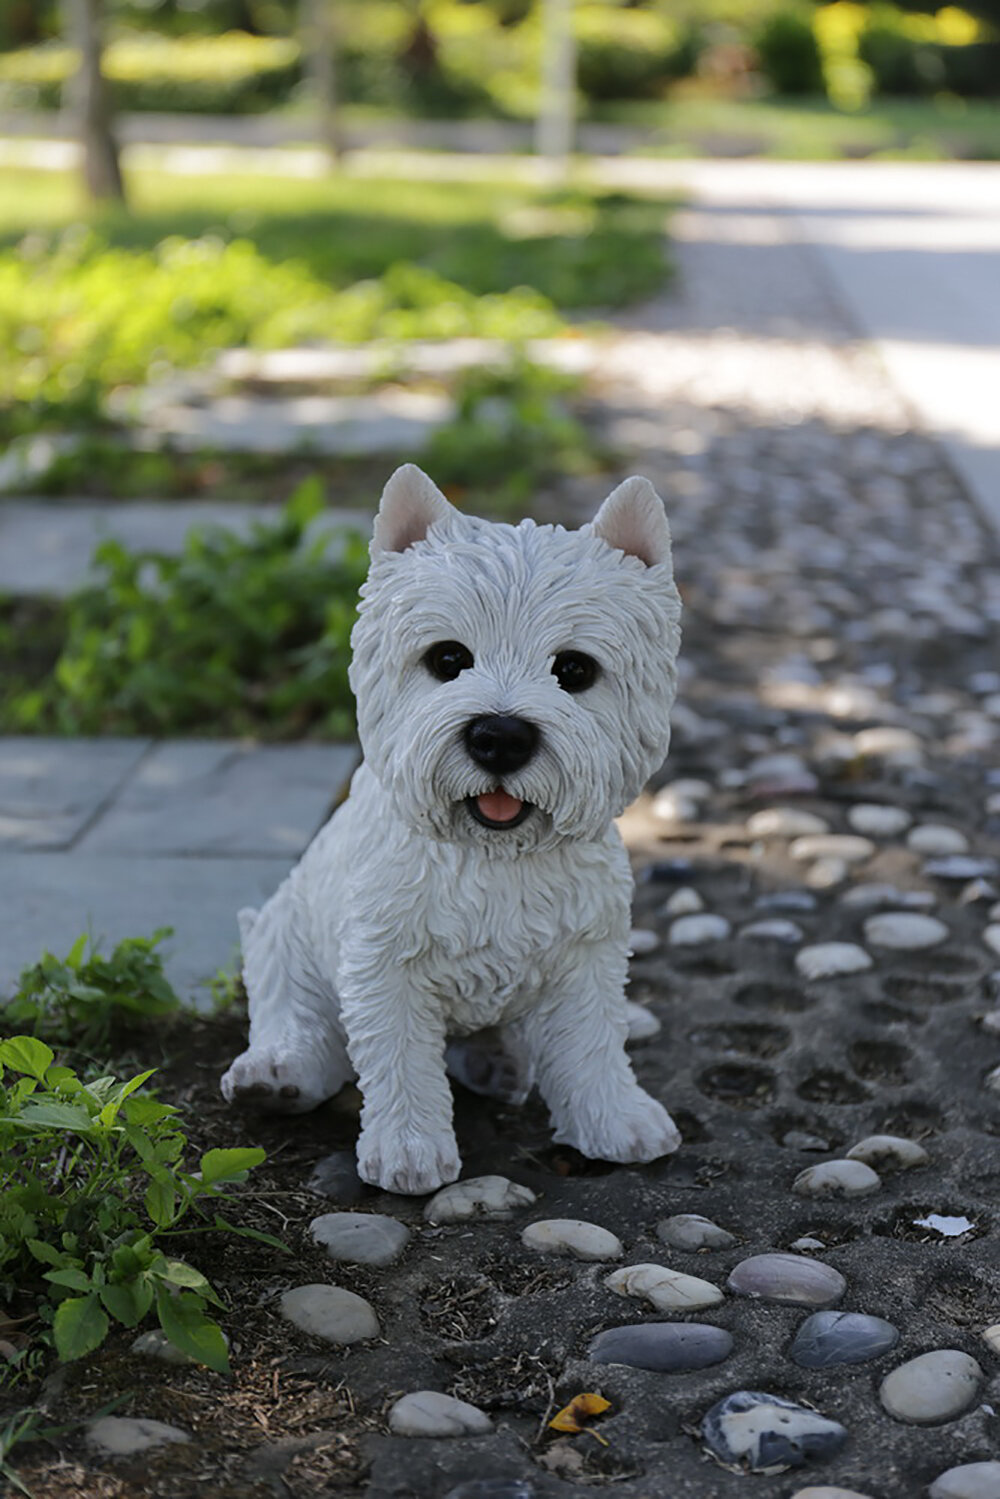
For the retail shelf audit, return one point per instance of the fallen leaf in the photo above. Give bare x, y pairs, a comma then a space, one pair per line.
574, 1417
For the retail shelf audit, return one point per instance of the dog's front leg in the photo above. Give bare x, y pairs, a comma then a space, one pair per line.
396, 1041
576, 1040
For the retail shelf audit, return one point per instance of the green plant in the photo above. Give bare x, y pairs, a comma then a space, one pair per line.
95, 1184
789, 53
236, 635
83, 999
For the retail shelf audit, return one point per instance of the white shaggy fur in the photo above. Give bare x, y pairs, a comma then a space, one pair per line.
406, 920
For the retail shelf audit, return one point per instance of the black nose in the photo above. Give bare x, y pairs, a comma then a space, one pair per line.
500, 743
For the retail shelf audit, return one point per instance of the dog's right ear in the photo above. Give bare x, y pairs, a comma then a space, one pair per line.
410, 505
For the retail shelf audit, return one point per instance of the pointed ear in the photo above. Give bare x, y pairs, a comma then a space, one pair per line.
633, 519
410, 504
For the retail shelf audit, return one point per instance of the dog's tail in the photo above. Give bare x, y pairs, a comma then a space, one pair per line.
247, 920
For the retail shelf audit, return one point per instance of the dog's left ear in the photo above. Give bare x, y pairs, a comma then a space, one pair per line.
633, 519
410, 505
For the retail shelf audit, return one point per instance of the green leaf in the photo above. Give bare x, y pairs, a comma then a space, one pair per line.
250, 1233
185, 1323
39, 1115
224, 1165
75, 1279
161, 1202
45, 1253
129, 1301
80, 1325
186, 1277
26, 1054
74, 957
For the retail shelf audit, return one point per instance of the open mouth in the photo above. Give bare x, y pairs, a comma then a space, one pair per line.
498, 809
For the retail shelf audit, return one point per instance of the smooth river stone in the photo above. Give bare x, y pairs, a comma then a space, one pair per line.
479, 1197
991, 936
836, 1179
824, 1491
123, 1436
667, 1290
869, 895
360, 1238
692, 1231
669, 1347
773, 930
583, 1241
881, 1151
846, 846
962, 867
828, 1338
933, 1387
968, 1481
642, 1023
876, 821
991, 1336
641, 942
936, 839
428, 1413
762, 1432
827, 960
785, 822
494, 1488
331, 1313
904, 931
684, 902
692, 931
790, 1279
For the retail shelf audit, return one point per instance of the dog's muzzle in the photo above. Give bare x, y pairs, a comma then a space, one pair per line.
501, 743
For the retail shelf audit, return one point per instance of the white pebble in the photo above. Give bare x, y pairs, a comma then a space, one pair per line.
773, 930
479, 1197
826, 873
121, 1436
837, 1179
785, 822
991, 936
846, 846
641, 942
331, 1313
904, 931
991, 1022
692, 931
684, 902
968, 1481
933, 1387
895, 746
824, 1491
642, 1023
827, 959
876, 821
992, 1080
670, 807
666, 1290
583, 1241
991, 1336
428, 1413
888, 1150
806, 1245
936, 838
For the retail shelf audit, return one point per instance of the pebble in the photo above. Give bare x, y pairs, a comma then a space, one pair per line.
692, 931
888, 1150
336, 1176
692, 1231
895, 746
826, 873
360, 1238
846, 846
583, 1241
824, 1491
666, 1290
479, 1197
642, 1023
837, 1179
865, 896
904, 931
331, 1313
991, 1022
785, 822
790, 1279
937, 839
806, 1244
672, 806
801, 1139
428, 1413
992, 1079
766, 1432
684, 902
828, 1338
933, 1387
827, 959
642, 942
876, 821
668, 871
962, 867
968, 1481
774, 930
786, 900
669, 1347
991, 1336
494, 1488
121, 1436
991, 936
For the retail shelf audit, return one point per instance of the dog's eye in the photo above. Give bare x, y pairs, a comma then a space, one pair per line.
447, 659
574, 671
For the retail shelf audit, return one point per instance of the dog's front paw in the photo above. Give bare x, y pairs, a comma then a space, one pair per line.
638, 1129
281, 1081
413, 1165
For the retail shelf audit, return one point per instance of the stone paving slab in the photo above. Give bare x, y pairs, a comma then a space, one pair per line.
215, 798
47, 900
51, 789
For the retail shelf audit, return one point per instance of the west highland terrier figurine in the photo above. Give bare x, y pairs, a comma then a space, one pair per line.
514, 686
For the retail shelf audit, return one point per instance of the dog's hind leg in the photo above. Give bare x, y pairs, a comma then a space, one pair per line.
488, 1063
297, 1056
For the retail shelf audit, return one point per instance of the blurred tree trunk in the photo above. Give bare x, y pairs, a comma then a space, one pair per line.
554, 127
319, 45
90, 103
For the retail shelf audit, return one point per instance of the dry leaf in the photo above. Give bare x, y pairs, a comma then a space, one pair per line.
574, 1417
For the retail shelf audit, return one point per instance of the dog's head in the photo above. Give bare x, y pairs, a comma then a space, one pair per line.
514, 683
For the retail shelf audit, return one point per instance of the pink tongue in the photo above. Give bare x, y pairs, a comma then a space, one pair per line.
498, 806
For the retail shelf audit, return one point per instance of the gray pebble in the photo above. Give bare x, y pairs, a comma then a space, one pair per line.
829, 959
766, 1433
904, 931
642, 1023
937, 839
570, 1236
962, 867
824, 1491
800, 1139
478, 1197
669, 1347
494, 1488
888, 1150
846, 846
642, 941
331, 1313
774, 930
969, 1481
786, 900
360, 1238
868, 895
121, 1436
788, 1278
877, 821
785, 822
933, 1387
991, 936
806, 1244
684, 902
692, 931
836, 1179
336, 1176
428, 1413
828, 1338
692, 1231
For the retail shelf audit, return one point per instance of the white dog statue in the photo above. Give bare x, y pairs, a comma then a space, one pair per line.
514, 686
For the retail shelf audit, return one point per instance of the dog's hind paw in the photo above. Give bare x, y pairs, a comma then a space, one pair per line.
412, 1167
480, 1063
281, 1082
